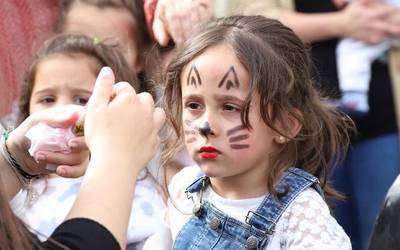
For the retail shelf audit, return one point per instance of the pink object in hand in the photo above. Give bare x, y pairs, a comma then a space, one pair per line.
46, 138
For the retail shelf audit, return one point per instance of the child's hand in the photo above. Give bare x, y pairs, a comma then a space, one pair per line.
124, 129
69, 165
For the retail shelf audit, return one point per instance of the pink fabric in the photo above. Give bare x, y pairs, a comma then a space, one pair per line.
24, 24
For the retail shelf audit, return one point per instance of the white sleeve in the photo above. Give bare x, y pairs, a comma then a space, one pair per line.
308, 225
161, 239
179, 206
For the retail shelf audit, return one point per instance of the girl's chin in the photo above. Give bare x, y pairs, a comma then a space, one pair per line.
210, 169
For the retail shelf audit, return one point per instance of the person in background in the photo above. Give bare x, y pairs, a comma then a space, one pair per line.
93, 214
119, 23
63, 72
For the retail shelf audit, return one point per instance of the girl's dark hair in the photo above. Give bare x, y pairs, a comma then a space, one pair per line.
279, 67
13, 234
74, 45
135, 7
143, 39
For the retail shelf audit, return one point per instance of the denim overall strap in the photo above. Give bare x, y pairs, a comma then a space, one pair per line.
198, 183
271, 209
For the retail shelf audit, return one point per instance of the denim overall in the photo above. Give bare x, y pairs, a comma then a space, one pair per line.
209, 228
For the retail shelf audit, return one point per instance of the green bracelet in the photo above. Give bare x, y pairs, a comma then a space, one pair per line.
10, 158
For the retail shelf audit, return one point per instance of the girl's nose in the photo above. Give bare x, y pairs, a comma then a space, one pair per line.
205, 129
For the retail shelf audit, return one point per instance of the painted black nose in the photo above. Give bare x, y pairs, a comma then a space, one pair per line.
205, 129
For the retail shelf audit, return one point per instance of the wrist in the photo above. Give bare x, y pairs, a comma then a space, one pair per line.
339, 24
13, 154
117, 161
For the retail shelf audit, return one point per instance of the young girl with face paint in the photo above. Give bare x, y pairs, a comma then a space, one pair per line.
240, 97
64, 72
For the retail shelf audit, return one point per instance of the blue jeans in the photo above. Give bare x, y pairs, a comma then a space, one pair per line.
365, 176
210, 228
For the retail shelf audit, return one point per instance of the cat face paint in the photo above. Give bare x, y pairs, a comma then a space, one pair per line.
190, 132
193, 78
237, 137
230, 79
231, 149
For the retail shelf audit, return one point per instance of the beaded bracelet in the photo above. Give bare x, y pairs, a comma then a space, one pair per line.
9, 157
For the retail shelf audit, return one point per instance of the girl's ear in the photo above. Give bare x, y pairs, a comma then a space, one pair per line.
290, 125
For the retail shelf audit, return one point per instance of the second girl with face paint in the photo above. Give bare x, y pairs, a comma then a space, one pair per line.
240, 97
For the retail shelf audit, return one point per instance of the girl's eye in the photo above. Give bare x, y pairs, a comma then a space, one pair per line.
47, 100
231, 107
81, 100
193, 106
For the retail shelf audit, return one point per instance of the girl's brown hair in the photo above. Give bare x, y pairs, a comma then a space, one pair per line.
143, 39
135, 7
13, 234
73, 45
279, 67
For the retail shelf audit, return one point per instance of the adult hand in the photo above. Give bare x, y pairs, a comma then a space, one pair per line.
69, 165
366, 21
124, 129
394, 19
175, 19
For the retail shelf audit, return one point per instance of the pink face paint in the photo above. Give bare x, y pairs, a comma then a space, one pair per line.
239, 146
234, 130
237, 139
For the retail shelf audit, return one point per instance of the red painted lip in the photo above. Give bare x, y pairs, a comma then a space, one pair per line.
208, 152
208, 149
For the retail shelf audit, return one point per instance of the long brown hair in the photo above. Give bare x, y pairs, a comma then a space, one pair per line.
72, 45
13, 234
279, 67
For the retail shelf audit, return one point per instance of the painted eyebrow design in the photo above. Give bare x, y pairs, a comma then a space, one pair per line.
193, 80
230, 79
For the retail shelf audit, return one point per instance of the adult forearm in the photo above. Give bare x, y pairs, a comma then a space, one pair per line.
313, 27
101, 192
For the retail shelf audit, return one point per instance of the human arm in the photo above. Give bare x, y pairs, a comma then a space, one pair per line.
18, 144
359, 20
119, 149
175, 19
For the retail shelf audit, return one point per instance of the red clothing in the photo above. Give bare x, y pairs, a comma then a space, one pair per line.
24, 24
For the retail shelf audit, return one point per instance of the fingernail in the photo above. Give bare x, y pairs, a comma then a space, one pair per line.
105, 72
40, 157
61, 171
